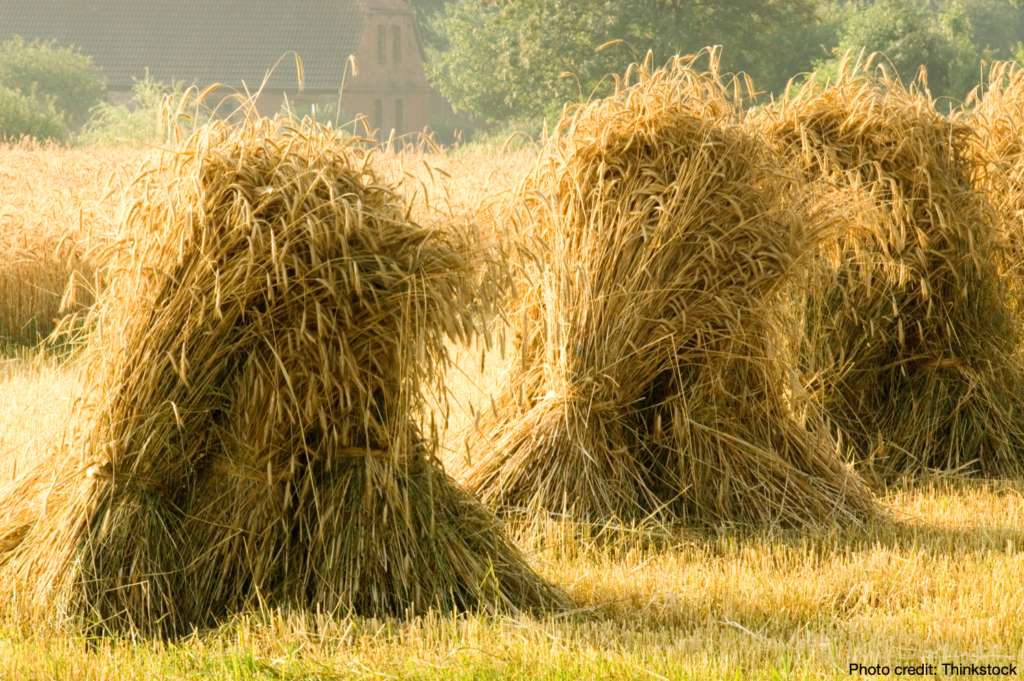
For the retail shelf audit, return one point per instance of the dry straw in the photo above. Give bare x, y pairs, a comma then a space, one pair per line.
997, 114
45, 282
648, 380
909, 331
39, 288
56, 205
248, 431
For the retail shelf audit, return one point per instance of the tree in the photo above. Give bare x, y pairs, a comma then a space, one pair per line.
911, 34
998, 26
428, 14
507, 60
48, 72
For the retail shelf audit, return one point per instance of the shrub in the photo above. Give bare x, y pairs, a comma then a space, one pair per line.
139, 122
62, 74
29, 115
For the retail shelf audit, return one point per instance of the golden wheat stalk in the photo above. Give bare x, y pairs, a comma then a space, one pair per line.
996, 113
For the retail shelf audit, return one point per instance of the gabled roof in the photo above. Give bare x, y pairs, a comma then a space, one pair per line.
225, 41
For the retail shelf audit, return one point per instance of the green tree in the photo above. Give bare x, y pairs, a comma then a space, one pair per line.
527, 58
772, 40
507, 60
998, 26
911, 34
60, 74
428, 24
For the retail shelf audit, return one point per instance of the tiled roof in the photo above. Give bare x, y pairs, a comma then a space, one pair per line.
225, 41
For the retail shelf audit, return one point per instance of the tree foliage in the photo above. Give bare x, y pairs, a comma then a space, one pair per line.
911, 34
429, 24
62, 75
526, 58
997, 26
506, 61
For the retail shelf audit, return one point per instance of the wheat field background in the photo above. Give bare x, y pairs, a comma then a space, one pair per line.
941, 579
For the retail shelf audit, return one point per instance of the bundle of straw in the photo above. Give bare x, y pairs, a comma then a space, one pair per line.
997, 116
248, 433
909, 332
648, 380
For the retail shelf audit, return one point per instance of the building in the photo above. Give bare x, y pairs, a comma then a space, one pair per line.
237, 42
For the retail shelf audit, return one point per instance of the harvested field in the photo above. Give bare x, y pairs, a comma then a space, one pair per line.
931, 578
937, 585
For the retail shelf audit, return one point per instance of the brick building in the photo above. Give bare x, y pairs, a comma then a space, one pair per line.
236, 43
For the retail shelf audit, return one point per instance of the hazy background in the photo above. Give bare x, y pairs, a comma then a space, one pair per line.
509, 67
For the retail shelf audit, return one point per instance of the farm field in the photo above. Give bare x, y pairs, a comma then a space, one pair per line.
461, 339
942, 584
939, 578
